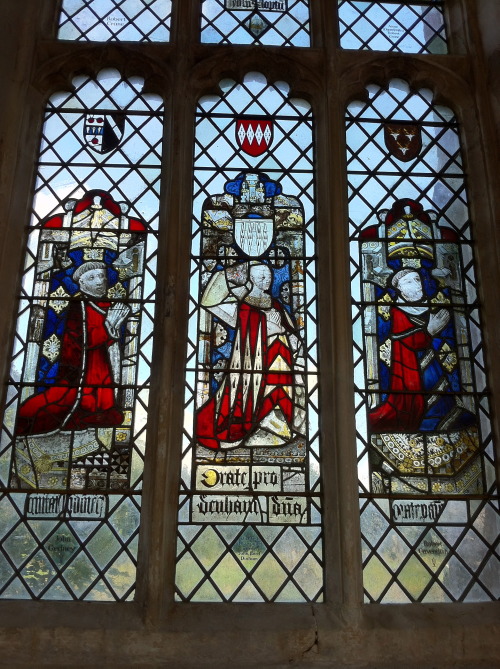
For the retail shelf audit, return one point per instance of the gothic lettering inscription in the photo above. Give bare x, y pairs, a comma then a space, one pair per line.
287, 510
89, 507
406, 511
227, 508
238, 478
265, 5
266, 478
279, 509
222, 478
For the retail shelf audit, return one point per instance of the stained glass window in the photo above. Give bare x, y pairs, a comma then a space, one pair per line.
73, 436
271, 22
249, 511
123, 20
409, 27
429, 503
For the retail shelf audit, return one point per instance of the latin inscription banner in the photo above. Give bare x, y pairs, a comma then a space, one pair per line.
264, 5
281, 509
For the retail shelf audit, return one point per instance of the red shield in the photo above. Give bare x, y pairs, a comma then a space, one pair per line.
402, 140
254, 136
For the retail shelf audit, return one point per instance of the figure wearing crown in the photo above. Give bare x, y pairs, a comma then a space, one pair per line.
251, 390
422, 424
83, 329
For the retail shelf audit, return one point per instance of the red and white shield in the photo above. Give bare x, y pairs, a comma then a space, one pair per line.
254, 136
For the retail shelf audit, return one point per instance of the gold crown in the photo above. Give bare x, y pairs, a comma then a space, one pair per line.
95, 228
407, 238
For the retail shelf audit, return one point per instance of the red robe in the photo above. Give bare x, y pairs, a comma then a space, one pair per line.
403, 411
83, 394
233, 421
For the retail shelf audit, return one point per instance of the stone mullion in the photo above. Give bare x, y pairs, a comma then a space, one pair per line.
20, 123
482, 153
340, 469
157, 557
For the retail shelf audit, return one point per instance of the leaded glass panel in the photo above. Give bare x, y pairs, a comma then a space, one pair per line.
270, 22
429, 501
74, 428
408, 27
250, 505
121, 20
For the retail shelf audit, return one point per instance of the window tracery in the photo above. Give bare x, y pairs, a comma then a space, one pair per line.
489, 513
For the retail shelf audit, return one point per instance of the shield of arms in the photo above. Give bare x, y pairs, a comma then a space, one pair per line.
254, 136
103, 132
402, 140
254, 235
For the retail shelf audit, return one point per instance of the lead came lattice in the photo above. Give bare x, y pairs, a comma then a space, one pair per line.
73, 437
120, 20
250, 506
407, 27
428, 496
270, 22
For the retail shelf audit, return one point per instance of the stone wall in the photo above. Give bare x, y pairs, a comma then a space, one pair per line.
153, 630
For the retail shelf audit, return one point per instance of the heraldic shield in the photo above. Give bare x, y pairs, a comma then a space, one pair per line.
253, 236
402, 140
254, 136
104, 132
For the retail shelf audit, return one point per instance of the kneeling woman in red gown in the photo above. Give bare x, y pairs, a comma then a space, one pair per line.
257, 402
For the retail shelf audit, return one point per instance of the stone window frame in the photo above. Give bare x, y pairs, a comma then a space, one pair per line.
154, 629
